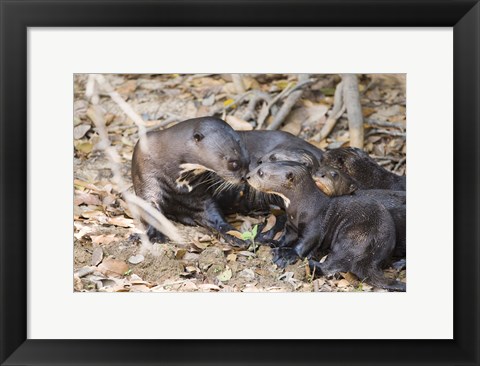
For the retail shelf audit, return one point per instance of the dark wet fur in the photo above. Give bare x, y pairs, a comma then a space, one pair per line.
358, 233
363, 169
340, 184
262, 144
155, 173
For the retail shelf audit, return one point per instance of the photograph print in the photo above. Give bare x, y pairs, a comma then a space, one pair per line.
239, 183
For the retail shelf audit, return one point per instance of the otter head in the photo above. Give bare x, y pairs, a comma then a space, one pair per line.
283, 178
212, 145
343, 158
300, 156
333, 182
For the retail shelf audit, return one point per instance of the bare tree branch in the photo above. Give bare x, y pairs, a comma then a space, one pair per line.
351, 97
293, 96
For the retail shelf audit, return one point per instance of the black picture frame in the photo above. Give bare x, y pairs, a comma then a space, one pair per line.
18, 15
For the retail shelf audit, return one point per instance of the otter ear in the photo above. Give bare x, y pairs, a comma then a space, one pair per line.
273, 157
289, 176
198, 136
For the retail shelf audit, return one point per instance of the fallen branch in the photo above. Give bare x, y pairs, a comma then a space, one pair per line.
150, 214
238, 82
256, 97
372, 122
126, 108
399, 164
386, 132
337, 111
235, 102
293, 96
351, 98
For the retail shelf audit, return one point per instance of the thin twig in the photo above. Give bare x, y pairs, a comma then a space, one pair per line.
152, 216
399, 164
126, 108
293, 96
372, 122
256, 96
385, 132
337, 111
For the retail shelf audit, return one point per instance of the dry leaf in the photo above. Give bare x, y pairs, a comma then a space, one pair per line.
121, 221
80, 131
238, 123
208, 287
82, 231
343, 283
351, 278
232, 257
128, 87
235, 233
86, 198
85, 147
225, 275
270, 223
102, 239
112, 266
135, 259
97, 256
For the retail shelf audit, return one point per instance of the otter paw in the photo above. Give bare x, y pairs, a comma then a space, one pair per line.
156, 236
266, 239
269, 243
282, 257
134, 237
235, 242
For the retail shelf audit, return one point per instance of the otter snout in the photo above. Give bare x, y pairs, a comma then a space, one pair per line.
259, 173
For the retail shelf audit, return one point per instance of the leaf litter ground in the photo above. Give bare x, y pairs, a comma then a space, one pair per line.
107, 259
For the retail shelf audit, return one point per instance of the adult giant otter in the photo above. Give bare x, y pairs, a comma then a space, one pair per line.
363, 169
334, 183
178, 169
359, 233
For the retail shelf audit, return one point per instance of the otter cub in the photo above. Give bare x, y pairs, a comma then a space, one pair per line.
359, 233
363, 169
298, 155
178, 170
335, 183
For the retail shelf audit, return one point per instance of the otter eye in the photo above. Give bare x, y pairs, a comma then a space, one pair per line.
289, 176
334, 174
233, 165
259, 162
198, 136
305, 164
273, 157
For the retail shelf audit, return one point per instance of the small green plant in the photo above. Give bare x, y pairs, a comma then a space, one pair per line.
250, 235
128, 273
359, 287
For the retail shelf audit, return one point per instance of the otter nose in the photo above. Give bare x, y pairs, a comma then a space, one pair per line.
233, 165
260, 172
